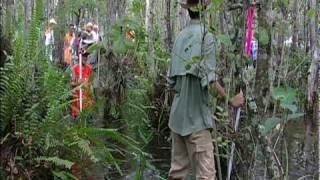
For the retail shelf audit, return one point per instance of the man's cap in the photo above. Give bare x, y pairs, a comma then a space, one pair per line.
52, 21
191, 3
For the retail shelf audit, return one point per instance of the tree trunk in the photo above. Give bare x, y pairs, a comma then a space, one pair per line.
313, 76
262, 88
306, 29
1, 15
28, 6
295, 21
59, 34
181, 18
9, 9
52, 8
150, 32
167, 25
318, 128
264, 55
116, 10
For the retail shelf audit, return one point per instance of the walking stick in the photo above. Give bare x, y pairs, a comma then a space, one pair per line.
216, 147
238, 110
80, 65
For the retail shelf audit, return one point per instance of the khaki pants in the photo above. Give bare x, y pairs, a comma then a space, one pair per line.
196, 151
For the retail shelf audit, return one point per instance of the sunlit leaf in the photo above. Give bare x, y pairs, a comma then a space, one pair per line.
269, 124
95, 47
295, 116
293, 108
311, 13
253, 106
224, 39
263, 37
287, 97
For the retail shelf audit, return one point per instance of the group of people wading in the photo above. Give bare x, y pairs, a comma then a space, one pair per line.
77, 58
190, 118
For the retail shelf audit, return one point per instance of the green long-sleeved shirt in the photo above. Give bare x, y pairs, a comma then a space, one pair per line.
190, 112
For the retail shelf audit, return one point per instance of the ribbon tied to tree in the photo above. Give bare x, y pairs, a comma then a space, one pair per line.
250, 19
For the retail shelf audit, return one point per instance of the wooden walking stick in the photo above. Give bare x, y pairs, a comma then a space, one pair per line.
80, 65
233, 146
216, 147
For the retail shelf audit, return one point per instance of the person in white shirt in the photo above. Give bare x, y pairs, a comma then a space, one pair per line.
95, 33
93, 38
49, 39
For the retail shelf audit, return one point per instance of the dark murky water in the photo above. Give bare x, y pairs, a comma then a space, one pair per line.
295, 139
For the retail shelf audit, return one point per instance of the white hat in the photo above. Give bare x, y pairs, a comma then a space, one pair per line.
88, 41
52, 21
89, 24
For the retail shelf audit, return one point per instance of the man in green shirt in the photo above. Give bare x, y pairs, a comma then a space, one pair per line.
192, 70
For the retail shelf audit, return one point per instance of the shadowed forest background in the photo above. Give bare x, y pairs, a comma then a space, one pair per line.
125, 135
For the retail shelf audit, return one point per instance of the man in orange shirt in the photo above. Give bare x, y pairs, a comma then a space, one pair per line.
68, 41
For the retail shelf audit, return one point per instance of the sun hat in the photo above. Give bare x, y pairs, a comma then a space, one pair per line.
52, 21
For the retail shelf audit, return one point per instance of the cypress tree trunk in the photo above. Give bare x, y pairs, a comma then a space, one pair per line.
116, 10
150, 32
9, 18
1, 15
28, 6
262, 88
167, 25
295, 21
312, 95
2, 56
181, 18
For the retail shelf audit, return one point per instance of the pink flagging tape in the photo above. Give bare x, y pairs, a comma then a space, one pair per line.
250, 16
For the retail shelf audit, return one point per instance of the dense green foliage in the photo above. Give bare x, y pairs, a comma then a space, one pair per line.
35, 129
128, 124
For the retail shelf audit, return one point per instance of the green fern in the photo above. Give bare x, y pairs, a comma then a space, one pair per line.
57, 161
110, 133
84, 146
12, 93
12, 87
32, 120
63, 175
111, 159
34, 33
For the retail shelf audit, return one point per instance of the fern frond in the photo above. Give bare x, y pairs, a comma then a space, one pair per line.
112, 134
57, 161
84, 146
11, 94
51, 142
64, 175
111, 159
34, 33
